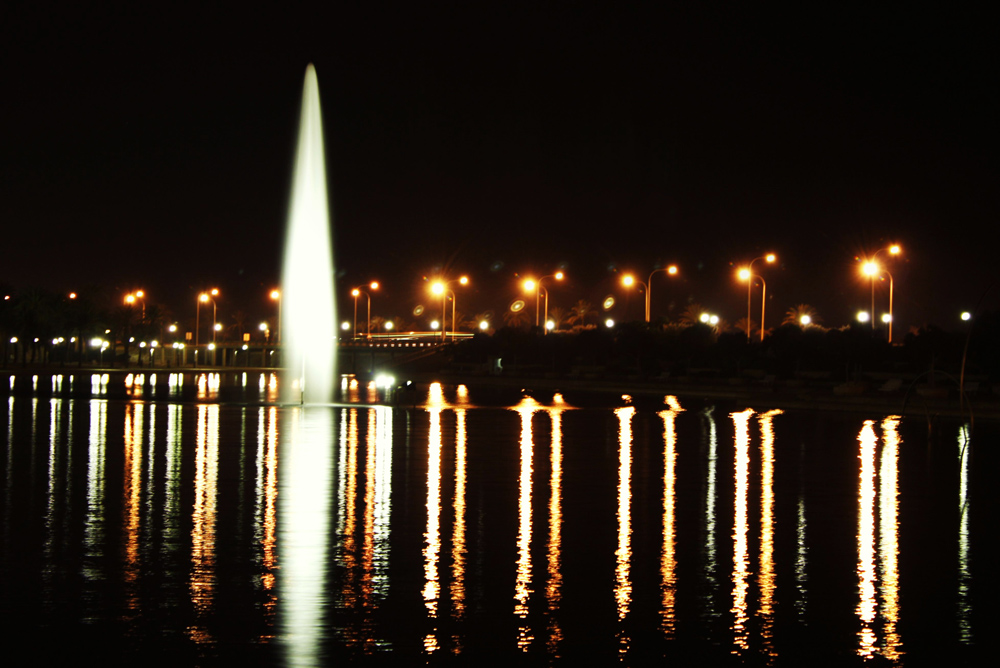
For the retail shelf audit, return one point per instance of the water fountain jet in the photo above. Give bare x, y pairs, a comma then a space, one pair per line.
308, 308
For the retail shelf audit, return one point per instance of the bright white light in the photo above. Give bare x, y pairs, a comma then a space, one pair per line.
388, 325
805, 320
609, 323
886, 317
966, 315
95, 342
703, 317
385, 381
713, 320
172, 328
246, 347
307, 300
345, 325
211, 346
435, 324
484, 325
863, 316
550, 325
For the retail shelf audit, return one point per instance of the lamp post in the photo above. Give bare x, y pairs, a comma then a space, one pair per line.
441, 288
872, 269
746, 274
671, 270
628, 280
357, 292
276, 296
536, 286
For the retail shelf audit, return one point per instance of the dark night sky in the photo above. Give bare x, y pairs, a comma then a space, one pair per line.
151, 147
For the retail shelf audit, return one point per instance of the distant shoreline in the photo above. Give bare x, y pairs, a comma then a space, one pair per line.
907, 400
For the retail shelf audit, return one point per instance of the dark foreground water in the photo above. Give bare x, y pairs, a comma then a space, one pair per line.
468, 527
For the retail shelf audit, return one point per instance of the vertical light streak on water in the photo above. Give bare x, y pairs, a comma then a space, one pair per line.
366, 584
801, 559
149, 516
888, 531
9, 484
522, 584
741, 570
348, 537
866, 541
132, 502
710, 572
304, 534
553, 587
172, 489
54, 496
458, 549
93, 533
203, 519
268, 471
432, 534
307, 301
668, 557
372, 392
964, 570
623, 553
383, 500
766, 581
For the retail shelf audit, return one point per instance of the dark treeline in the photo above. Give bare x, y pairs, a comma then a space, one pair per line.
789, 351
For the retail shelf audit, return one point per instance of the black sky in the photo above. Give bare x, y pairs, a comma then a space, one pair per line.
151, 146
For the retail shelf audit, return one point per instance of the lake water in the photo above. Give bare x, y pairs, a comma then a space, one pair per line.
468, 525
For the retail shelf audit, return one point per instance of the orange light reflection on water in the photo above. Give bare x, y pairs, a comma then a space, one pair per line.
202, 580
741, 571
432, 534
623, 552
866, 541
522, 584
668, 558
766, 581
888, 495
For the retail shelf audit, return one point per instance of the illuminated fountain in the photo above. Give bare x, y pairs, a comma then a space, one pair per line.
308, 310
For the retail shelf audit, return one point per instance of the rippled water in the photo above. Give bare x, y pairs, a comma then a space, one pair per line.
468, 526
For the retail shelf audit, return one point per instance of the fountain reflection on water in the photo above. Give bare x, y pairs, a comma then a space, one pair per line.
308, 310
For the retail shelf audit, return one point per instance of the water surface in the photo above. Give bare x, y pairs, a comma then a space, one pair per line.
467, 525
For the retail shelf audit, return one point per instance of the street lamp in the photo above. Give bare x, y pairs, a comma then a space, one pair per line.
276, 296
746, 274
536, 286
628, 281
441, 288
872, 269
357, 292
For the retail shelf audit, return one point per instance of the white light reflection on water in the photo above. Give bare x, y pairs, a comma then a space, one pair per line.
710, 569
522, 583
888, 529
55, 497
93, 533
964, 570
306, 458
172, 488
623, 553
668, 557
266, 508
741, 567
